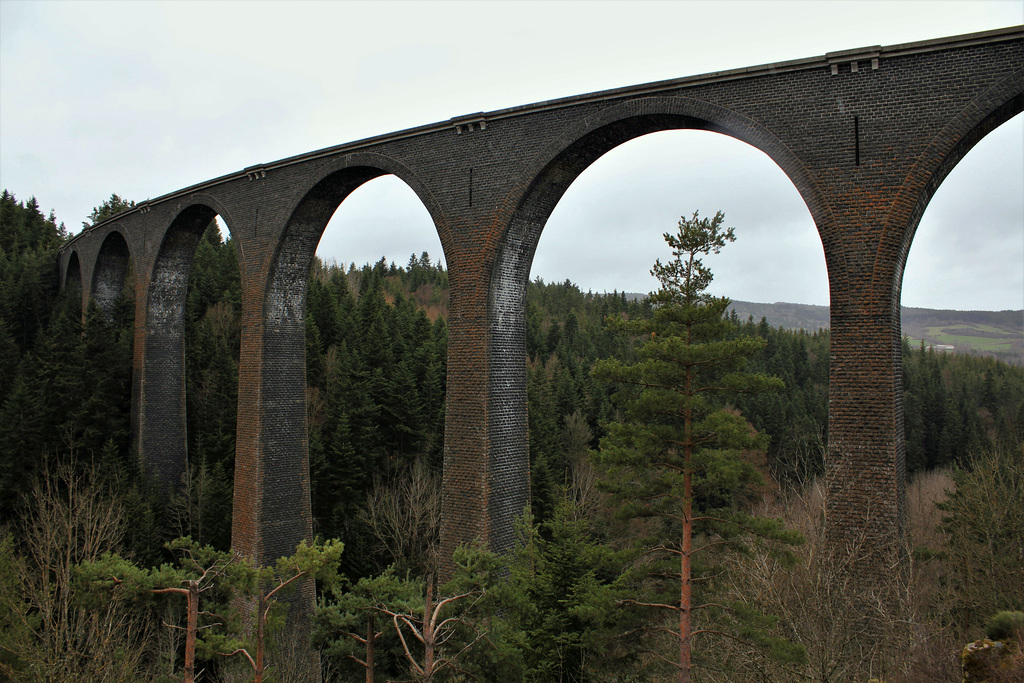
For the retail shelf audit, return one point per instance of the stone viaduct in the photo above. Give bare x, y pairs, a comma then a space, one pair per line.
866, 136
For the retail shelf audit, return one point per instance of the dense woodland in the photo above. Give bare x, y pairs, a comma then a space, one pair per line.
376, 348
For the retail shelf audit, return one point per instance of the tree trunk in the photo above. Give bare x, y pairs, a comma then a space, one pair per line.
428, 634
686, 581
370, 638
685, 569
190, 632
261, 618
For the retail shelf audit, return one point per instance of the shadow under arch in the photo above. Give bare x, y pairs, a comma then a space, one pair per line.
270, 520
159, 413
996, 106
542, 186
212, 203
272, 511
112, 264
317, 202
72, 275
71, 285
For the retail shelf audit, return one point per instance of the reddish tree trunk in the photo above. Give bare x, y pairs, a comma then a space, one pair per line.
685, 570
191, 625
686, 584
370, 638
190, 632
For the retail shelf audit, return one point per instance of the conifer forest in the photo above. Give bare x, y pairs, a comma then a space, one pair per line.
676, 525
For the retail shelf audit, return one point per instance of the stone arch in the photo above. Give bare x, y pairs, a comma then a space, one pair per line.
168, 282
541, 187
996, 106
72, 275
984, 114
271, 519
112, 264
316, 202
272, 510
159, 405
219, 209
543, 183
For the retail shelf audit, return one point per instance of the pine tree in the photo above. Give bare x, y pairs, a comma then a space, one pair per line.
108, 209
675, 457
561, 593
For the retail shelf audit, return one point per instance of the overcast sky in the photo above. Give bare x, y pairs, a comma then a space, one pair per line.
144, 98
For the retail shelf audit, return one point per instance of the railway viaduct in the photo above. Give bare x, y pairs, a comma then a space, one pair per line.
866, 136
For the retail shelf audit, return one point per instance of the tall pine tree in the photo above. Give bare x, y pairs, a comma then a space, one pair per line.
676, 456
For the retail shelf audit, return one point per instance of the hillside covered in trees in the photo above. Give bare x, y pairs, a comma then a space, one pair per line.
376, 352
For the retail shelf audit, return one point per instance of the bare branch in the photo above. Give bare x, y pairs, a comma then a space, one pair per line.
405, 646
661, 605
241, 651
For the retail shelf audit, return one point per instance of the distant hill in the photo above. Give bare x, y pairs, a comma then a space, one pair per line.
985, 333
787, 316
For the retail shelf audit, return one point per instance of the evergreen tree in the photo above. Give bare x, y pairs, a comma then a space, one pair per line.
676, 456
108, 209
29, 280
355, 634
562, 589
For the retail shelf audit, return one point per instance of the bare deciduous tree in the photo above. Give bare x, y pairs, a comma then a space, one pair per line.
581, 486
405, 515
850, 629
69, 518
188, 506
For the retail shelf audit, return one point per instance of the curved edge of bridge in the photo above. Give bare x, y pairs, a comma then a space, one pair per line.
468, 121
